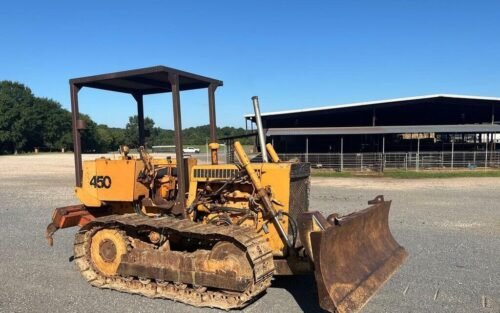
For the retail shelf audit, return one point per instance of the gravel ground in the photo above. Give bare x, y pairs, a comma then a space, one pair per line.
450, 227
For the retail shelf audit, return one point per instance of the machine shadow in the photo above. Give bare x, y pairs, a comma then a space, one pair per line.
303, 289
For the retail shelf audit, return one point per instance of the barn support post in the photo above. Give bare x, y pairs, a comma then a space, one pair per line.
492, 114
492, 147
341, 154
452, 152
486, 152
417, 163
307, 149
494, 143
383, 153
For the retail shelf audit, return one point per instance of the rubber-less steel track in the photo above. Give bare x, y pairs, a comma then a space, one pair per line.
256, 248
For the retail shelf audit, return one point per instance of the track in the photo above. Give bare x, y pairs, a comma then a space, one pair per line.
255, 247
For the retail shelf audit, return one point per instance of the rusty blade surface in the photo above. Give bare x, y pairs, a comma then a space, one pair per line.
354, 257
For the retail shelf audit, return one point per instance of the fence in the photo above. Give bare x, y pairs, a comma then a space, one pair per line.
398, 160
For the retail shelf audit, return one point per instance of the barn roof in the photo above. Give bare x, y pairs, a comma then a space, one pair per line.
378, 103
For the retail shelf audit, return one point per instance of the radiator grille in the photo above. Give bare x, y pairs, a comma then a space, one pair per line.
299, 188
215, 173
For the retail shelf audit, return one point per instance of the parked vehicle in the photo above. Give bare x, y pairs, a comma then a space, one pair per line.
191, 150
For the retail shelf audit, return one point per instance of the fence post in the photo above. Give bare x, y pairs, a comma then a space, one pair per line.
406, 162
361, 165
474, 157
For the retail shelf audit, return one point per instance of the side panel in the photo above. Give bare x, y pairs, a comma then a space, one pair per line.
86, 194
277, 176
118, 180
299, 188
89, 171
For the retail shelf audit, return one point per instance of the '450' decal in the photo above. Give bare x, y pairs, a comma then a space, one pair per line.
101, 182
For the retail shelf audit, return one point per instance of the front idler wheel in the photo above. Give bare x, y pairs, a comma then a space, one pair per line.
107, 247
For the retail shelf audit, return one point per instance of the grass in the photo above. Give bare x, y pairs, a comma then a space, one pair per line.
410, 174
328, 173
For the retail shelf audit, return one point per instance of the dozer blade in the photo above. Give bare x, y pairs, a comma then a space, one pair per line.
353, 255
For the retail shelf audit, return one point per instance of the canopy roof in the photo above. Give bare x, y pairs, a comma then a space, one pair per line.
144, 81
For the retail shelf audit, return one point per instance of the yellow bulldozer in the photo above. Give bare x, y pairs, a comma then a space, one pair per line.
213, 235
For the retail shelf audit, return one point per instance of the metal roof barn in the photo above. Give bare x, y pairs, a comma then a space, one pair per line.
440, 120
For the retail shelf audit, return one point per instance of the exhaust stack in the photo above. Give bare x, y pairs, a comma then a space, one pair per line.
260, 130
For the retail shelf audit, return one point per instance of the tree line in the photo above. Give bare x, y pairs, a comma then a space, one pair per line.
28, 122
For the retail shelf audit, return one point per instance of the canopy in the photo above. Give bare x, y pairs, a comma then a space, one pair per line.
144, 81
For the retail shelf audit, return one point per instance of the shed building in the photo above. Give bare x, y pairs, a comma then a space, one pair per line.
439, 122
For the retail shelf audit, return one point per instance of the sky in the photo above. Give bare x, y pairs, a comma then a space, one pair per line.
292, 54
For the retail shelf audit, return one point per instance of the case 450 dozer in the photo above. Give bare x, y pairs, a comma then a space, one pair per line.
213, 235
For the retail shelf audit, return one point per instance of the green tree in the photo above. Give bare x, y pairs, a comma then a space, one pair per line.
54, 124
28, 122
104, 138
118, 135
162, 137
89, 136
17, 123
132, 131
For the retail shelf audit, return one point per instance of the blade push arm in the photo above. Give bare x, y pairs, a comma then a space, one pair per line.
261, 191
